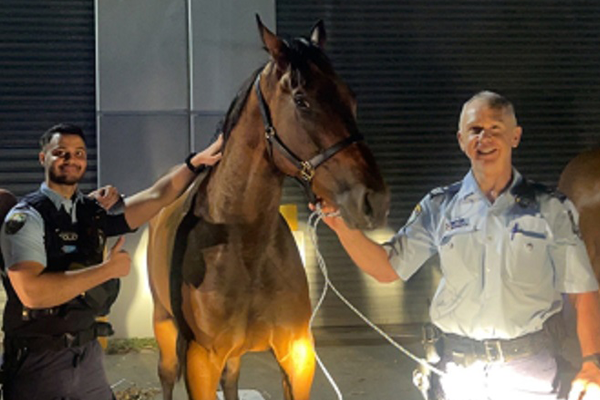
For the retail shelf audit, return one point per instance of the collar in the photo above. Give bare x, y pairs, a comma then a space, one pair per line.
470, 188
58, 200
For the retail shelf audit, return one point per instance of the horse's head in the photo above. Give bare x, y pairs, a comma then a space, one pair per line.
315, 137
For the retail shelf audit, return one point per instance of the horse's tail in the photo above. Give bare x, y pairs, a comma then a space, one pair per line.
182, 345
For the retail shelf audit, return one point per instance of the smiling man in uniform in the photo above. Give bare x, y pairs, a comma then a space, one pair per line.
509, 249
56, 276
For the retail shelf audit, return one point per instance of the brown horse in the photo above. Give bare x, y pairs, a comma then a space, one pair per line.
225, 273
580, 181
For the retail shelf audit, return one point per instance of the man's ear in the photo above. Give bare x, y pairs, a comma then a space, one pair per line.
459, 139
516, 139
42, 158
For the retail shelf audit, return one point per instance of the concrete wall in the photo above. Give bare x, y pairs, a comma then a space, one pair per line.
166, 72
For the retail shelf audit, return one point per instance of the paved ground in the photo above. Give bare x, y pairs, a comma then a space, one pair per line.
364, 366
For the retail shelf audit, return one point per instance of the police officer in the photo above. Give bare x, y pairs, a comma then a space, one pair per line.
56, 278
508, 250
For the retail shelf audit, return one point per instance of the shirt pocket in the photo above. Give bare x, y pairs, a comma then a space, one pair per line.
460, 256
528, 251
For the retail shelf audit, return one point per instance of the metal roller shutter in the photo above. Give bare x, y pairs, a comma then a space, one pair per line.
47, 76
412, 65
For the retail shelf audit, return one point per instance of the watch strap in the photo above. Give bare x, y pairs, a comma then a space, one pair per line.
191, 167
594, 358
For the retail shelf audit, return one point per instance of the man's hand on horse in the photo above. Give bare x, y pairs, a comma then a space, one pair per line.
586, 385
211, 155
107, 196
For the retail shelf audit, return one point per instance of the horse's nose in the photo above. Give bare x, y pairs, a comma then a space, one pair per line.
363, 207
376, 206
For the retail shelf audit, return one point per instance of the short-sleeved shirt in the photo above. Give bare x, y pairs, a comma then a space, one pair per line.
505, 265
27, 243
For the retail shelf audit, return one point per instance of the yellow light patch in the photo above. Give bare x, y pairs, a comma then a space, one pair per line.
302, 354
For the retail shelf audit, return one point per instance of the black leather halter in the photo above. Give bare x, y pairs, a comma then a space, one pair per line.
306, 168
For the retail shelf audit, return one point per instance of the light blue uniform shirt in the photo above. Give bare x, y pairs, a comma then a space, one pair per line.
505, 265
27, 244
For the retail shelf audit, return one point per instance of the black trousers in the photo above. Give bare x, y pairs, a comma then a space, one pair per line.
70, 374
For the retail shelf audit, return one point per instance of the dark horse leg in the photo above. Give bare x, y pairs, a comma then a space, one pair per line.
166, 334
229, 378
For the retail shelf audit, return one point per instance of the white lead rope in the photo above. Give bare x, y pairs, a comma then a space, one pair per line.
313, 221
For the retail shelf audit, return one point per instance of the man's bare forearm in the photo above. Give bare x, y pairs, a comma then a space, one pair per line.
368, 255
37, 289
587, 306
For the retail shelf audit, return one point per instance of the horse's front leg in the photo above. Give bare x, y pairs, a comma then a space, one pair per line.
295, 354
203, 370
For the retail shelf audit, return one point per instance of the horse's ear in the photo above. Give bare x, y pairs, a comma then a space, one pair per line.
318, 36
274, 45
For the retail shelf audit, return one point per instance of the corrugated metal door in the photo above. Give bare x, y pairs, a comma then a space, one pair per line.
413, 64
46, 76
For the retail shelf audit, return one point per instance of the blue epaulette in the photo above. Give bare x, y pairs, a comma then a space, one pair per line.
526, 192
449, 190
549, 190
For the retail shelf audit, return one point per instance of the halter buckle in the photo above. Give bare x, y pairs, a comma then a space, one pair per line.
307, 172
269, 133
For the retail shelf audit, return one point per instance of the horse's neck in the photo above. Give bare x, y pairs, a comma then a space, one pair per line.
245, 188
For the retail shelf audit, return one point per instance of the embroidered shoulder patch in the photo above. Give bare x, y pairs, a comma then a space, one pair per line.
15, 223
417, 210
415, 214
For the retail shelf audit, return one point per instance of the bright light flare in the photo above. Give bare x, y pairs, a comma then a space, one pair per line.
303, 355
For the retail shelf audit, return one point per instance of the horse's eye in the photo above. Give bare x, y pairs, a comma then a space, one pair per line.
301, 102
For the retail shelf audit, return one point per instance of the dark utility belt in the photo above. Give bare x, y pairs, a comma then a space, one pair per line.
465, 351
37, 344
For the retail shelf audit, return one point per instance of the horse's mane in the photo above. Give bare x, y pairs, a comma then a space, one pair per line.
301, 53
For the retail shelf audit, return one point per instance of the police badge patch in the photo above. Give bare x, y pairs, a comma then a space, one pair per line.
15, 223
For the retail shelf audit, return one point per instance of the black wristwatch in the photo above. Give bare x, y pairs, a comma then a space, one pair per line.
188, 162
594, 358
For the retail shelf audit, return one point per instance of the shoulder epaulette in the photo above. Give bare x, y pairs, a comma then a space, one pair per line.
449, 190
549, 190
526, 192
552, 191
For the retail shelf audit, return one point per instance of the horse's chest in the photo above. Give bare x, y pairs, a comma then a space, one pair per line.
218, 256
237, 281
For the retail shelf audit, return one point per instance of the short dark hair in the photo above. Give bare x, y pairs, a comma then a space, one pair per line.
67, 129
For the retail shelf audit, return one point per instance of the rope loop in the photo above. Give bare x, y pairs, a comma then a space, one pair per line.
313, 221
